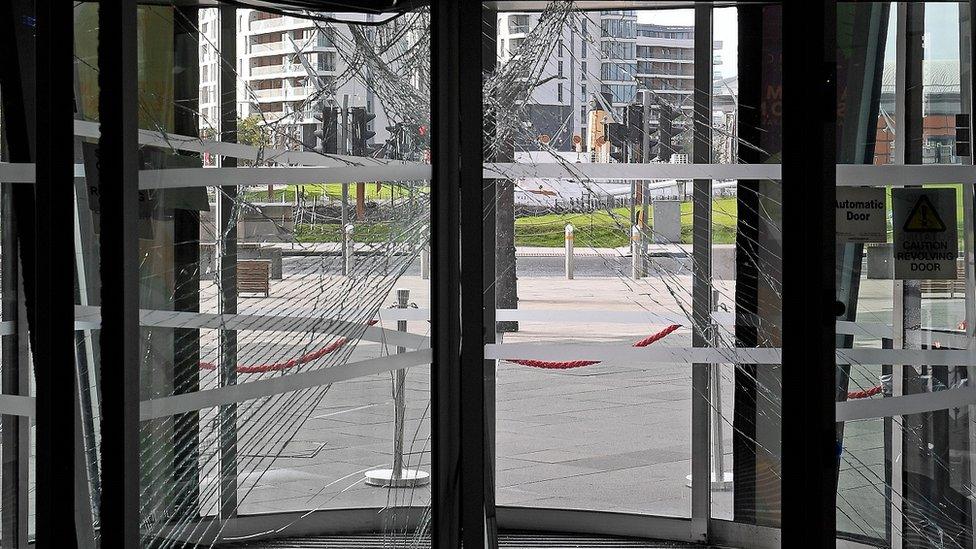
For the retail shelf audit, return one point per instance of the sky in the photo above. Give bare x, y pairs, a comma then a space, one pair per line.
724, 28
941, 40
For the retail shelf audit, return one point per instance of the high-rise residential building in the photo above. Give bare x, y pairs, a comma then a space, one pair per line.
282, 63
558, 105
666, 62
606, 52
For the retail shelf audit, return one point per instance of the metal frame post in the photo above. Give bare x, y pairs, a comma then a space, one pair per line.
967, 48
489, 62
52, 326
186, 271
809, 281
119, 248
227, 260
15, 381
744, 493
702, 274
471, 157
906, 312
18, 82
445, 295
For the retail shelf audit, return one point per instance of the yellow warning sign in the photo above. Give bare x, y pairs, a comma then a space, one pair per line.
924, 218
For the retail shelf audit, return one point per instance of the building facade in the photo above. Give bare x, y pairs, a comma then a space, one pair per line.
283, 64
607, 53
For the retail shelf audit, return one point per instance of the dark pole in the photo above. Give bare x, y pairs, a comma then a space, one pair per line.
915, 429
186, 272
119, 247
446, 91
701, 283
227, 199
489, 59
746, 266
808, 373
472, 281
53, 325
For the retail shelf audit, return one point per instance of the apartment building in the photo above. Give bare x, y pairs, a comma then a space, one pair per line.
607, 52
282, 62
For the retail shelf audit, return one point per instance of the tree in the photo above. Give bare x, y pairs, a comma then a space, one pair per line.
251, 131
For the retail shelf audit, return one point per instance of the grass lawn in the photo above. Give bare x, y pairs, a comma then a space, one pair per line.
331, 190
329, 232
611, 229
601, 229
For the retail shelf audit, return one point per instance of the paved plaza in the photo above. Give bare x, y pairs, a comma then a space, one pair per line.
611, 436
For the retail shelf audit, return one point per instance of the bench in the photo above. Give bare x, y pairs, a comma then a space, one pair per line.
253, 276
950, 287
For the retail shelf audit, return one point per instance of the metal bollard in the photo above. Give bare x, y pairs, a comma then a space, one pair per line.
425, 263
399, 383
347, 250
635, 253
570, 259
721, 480
399, 476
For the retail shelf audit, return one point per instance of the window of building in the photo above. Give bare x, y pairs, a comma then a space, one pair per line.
326, 38
620, 93
618, 28
583, 68
327, 61
514, 45
559, 69
559, 47
583, 48
618, 71
518, 24
583, 91
618, 50
559, 93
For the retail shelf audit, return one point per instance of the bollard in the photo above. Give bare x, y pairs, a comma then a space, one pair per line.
399, 476
721, 480
635, 252
570, 259
347, 250
399, 383
425, 262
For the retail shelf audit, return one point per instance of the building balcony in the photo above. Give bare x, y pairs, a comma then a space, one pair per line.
287, 46
268, 70
284, 94
640, 74
279, 23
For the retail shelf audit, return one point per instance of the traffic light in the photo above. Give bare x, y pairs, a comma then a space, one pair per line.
326, 134
360, 130
618, 136
665, 133
635, 122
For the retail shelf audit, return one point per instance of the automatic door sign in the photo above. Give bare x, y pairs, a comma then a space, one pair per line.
861, 214
926, 244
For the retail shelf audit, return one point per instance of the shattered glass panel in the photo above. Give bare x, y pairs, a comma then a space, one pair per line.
603, 264
284, 272
284, 266
904, 443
